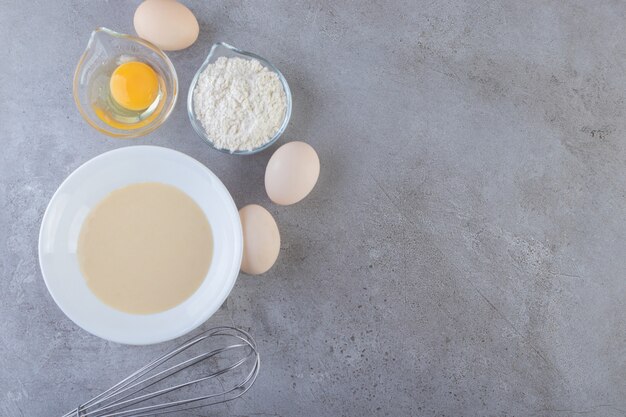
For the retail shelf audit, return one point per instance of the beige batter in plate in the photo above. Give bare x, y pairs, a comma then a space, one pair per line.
145, 248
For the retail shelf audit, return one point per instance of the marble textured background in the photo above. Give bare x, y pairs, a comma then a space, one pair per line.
462, 254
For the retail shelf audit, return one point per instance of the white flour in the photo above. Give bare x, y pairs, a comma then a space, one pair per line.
240, 103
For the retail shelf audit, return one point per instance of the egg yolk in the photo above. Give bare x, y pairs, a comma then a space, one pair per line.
134, 85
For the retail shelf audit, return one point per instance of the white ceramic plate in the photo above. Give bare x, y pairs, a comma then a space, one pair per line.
83, 189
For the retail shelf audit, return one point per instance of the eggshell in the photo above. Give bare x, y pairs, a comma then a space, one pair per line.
291, 173
261, 239
168, 24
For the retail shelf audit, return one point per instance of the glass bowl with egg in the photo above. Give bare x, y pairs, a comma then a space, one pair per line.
124, 86
238, 102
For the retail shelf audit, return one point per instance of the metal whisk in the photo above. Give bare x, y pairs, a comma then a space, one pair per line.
222, 363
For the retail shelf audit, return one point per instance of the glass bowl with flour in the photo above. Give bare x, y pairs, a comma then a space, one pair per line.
238, 102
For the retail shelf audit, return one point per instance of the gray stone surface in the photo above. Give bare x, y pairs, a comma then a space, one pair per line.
462, 254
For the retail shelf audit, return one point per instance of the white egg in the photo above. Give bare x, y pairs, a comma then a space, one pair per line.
261, 239
291, 173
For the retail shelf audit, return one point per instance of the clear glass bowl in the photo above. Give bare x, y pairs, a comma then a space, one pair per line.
105, 47
221, 49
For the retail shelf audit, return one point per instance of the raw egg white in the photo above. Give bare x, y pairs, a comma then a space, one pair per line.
261, 239
168, 24
291, 173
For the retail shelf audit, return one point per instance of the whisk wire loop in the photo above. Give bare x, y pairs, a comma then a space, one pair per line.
131, 391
